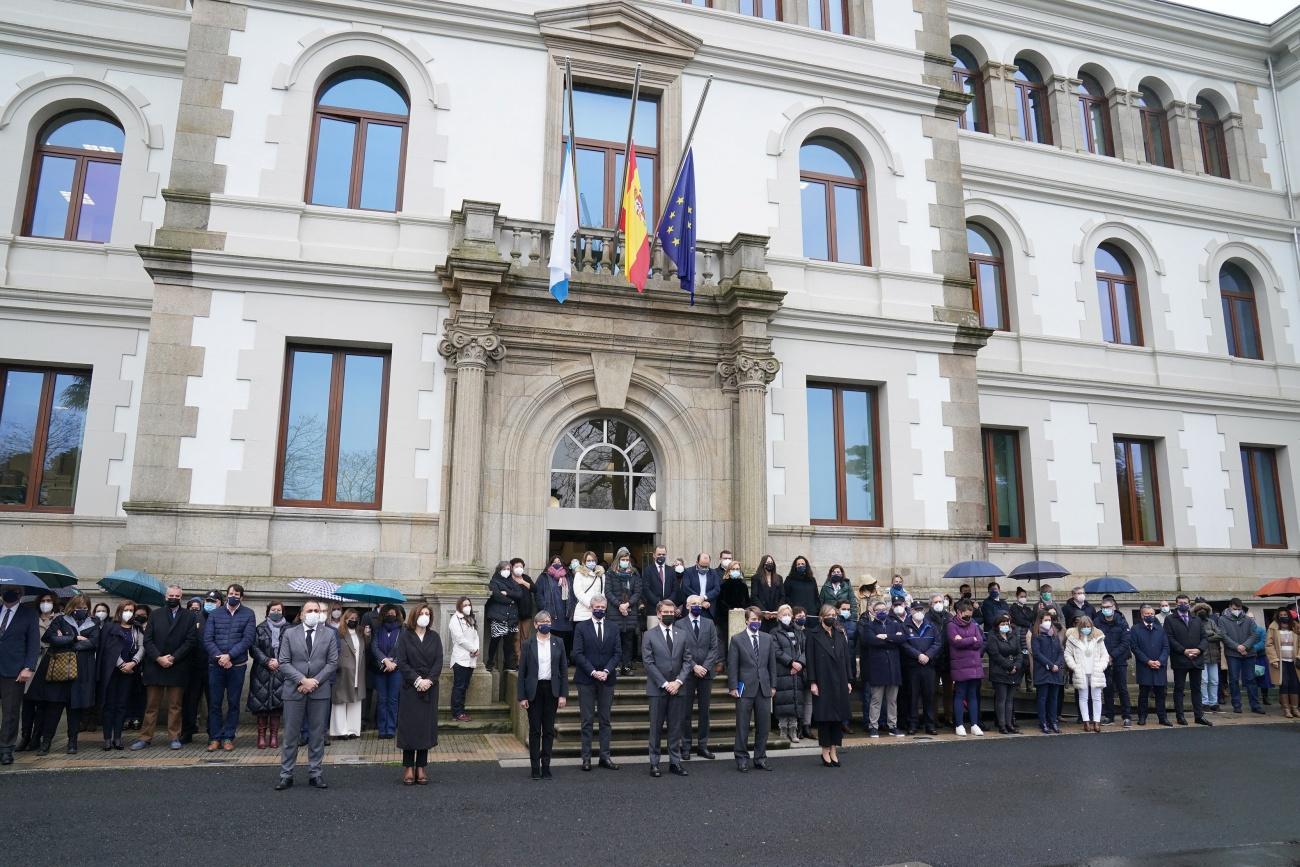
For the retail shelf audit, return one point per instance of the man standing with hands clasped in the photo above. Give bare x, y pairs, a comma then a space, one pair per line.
667, 659
597, 648
1187, 645
706, 652
751, 677
309, 657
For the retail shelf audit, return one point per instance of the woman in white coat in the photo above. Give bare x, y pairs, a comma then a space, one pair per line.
1087, 658
588, 583
463, 631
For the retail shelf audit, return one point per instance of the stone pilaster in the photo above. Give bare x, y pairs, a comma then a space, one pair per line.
1063, 102
1126, 125
1001, 111
750, 375
1184, 136
1251, 153
1234, 136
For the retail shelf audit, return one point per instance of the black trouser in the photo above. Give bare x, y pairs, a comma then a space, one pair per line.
33, 719
460, 675
504, 642
11, 709
695, 689
1116, 682
53, 713
1181, 676
595, 701
196, 687
113, 714
1004, 700
920, 684
627, 635
415, 758
1143, 692
541, 725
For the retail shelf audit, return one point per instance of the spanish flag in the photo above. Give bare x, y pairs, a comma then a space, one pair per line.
636, 232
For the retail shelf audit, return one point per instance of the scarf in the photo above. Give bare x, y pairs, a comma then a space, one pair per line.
561, 576
276, 629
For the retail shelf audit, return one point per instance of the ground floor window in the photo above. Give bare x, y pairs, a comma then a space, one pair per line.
42, 421
843, 455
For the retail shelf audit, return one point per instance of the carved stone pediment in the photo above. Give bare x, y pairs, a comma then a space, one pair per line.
618, 29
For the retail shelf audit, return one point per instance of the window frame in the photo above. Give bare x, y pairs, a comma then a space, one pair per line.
1231, 321
1128, 499
841, 494
999, 262
83, 158
362, 118
828, 182
963, 75
329, 478
1088, 103
612, 150
1159, 117
41, 434
986, 436
756, 12
1111, 280
1252, 494
1027, 112
1213, 138
826, 14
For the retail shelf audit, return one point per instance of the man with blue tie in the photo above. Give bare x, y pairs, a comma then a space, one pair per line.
700, 580
751, 678
706, 652
597, 656
20, 642
667, 661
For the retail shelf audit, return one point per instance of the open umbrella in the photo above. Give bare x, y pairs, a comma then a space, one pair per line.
317, 588
1281, 587
375, 594
973, 569
135, 585
12, 576
52, 572
1109, 584
1039, 570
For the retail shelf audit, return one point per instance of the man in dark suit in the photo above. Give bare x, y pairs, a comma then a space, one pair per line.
597, 655
542, 688
169, 639
706, 652
658, 582
700, 580
309, 659
20, 643
751, 677
667, 658
1188, 645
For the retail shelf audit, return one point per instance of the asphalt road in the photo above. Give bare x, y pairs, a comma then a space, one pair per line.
1036, 801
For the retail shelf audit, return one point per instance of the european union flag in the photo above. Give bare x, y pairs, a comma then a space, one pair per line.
677, 225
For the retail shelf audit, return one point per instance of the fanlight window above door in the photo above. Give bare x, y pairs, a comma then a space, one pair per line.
603, 463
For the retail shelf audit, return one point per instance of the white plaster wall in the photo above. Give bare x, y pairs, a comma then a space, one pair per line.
1072, 466
1208, 514
931, 439
126, 419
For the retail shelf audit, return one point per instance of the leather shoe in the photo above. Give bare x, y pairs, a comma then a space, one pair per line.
546, 774
1202, 721
762, 765
586, 764
6, 758
686, 755
228, 746
705, 753
678, 770
610, 765
1166, 723
317, 783
1258, 710
742, 765
1182, 720
537, 773
654, 771
285, 783
213, 746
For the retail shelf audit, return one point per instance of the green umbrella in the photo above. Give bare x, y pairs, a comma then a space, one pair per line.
135, 585
52, 572
376, 594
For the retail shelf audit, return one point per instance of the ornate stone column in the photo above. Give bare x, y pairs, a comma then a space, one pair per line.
1001, 109
1126, 125
750, 376
1064, 101
1184, 136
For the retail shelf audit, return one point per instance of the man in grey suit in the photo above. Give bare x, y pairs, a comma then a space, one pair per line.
309, 658
706, 653
667, 659
751, 677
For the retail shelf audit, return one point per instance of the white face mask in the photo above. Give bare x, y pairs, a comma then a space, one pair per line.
518, 570
47, 607
101, 616
467, 611
336, 614
898, 609
726, 561
422, 621
1080, 598
623, 564
127, 616
591, 564
312, 619
504, 573
679, 569
573, 564
938, 606
918, 616
785, 619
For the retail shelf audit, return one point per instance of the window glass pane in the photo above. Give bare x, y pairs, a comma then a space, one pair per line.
567, 454
642, 459
1233, 279
646, 166
306, 428
381, 166
1107, 318
1022, 115
564, 490
821, 454
53, 196
848, 225
828, 158
332, 176
835, 21
363, 390
1247, 335
97, 202
602, 115
18, 416
990, 288
1144, 488
87, 131
1266, 525
591, 188
813, 204
1124, 484
1230, 328
981, 243
63, 440
604, 459
365, 90
603, 491
815, 13
1006, 485
761, 8
643, 487
859, 456
1127, 305
1110, 260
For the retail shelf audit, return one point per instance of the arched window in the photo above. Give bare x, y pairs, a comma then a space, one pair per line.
966, 73
603, 463
358, 142
1094, 117
74, 178
831, 15
834, 201
1117, 290
1155, 128
1240, 315
1031, 102
1214, 145
989, 273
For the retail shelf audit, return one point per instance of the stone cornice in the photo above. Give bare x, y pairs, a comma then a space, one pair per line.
827, 326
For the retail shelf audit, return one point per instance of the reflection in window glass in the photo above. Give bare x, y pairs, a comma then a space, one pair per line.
822, 482
859, 457
843, 460
42, 424
98, 199
18, 417
848, 225
53, 197
67, 424
380, 167
602, 464
363, 388
1135, 473
365, 90
816, 243
307, 427
1003, 489
332, 175
1263, 497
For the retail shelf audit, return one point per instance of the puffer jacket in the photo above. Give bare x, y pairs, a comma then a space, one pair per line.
1087, 658
965, 650
1006, 662
623, 586
789, 687
264, 686
1213, 634
229, 633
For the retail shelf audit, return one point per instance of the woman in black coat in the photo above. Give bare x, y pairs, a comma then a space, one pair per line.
78, 632
791, 660
502, 613
264, 701
121, 648
830, 672
801, 587
419, 661
1005, 646
767, 591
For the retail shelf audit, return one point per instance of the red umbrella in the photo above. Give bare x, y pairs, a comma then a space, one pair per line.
1281, 587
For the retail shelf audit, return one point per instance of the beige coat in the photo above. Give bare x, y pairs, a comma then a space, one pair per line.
1273, 650
1087, 657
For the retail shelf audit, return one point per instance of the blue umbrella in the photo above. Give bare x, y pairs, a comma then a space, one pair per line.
14, 577
135, 585
376, 594
973, 569
1039, 570
1109, 584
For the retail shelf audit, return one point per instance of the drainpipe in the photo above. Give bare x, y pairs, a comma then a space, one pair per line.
1286, 168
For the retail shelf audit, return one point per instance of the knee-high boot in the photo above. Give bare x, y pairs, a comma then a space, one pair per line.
273, 729
262, 720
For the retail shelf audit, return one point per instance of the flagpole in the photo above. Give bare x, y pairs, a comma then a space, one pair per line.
627, 152
573, 139
681, 159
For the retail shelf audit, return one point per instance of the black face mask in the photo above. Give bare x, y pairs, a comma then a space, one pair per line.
770, 567
173, 603
801, 570
390, 618
829, 621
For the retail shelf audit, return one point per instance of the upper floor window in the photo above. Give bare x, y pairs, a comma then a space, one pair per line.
833, 198
832, 15
966, 74
332, 425
74, 178
358, 147
1155, 128
843, 455
1031, 102
769, 9
600, 124
1094, 117
1263, 497
1117, 291
989, 273
1214, 145
1139, 492
42, 419
1240, 316
1003, 486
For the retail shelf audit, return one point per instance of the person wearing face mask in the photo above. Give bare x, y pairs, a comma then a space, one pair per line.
1114, 628
666, 654
880, 640
102, 613
940, 613
588, 582
527, 605
20, 648
1187, 646
921, 652
790, 662
733, 598
266, 680
419, 661
703, 581
830, 678
1045, 600
62, 683
1049, 672
597, 661
658, 582
751, 681
308, 659
388, 680
801, 587
837, 589
1164, 611
348, 691
767, 591
1087, 658
1022, 613
1006, 661
1282, 648
196, 678
1262, 680
1151, 652
623, 606
462, 631
170, 640
965, 659
227, 635
1213, 654
135, 692
705, 646
121, 648
543, 687
47, 607
502, 614
993, 607
1077, 606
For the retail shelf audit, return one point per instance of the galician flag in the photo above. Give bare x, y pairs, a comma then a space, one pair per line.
566, 226
636, 233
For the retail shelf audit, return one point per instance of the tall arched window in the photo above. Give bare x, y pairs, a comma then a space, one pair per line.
1240, 315
1094, 117
834, 201
1117, 291
74, 178
832, 15
1214, 145
358, 142
1031, 102
603, 463
1155, 128
989, 273
966, 73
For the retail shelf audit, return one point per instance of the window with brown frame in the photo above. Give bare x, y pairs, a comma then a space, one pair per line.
1094, 117
703, 4
75, 169
966, 75
1155, 129
829, 15
358, 142
844, 481
1240, 314
600, 121
768, 9
333, 419
1003, 487
1032, 103
987, 269
42, 423
1214, 144
1117, 296
833, 199
1263, 497
1139, 492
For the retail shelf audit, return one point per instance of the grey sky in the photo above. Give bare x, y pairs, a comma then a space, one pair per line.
1257, 10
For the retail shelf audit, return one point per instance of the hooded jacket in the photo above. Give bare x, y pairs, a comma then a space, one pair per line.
1087, 658
1213, 634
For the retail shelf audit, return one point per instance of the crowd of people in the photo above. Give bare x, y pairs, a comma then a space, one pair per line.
793, 652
